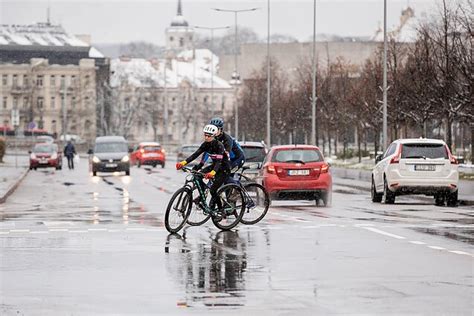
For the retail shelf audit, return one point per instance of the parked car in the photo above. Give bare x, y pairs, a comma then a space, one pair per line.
186, 150
45, 139
45, 155
255, 153
110, 154
416, 166
297, 172
148, 153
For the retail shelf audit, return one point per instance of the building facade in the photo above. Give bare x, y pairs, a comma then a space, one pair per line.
50, 78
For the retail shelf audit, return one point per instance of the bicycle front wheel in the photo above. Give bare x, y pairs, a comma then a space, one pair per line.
178, 210
197, 216
257, 202
230, 207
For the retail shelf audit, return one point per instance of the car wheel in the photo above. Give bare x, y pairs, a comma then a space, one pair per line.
439, 199
163, 165
138, 164
94, 173
452, 199
127, 172
388, 196
327, 198
376, 197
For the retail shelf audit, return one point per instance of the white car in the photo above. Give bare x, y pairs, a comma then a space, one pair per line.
416, 166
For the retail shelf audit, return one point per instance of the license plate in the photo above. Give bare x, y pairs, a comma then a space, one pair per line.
43, 162
303, 172
425, 167
110, 165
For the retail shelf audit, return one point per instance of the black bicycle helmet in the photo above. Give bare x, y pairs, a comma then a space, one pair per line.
217, 121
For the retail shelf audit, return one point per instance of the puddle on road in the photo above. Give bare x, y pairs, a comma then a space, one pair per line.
212, 274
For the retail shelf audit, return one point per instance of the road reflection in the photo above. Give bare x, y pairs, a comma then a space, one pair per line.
210, 273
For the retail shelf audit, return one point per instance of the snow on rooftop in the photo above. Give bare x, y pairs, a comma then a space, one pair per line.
145, 73
94, 53
203, 58
42, 34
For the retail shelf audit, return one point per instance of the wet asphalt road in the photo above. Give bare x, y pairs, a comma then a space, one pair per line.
72, 244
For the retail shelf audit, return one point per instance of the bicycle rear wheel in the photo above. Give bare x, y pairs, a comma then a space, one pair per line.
178, 210
197, 216
231, 209
257, 202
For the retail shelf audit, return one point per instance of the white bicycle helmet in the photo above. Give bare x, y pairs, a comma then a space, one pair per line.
210, 129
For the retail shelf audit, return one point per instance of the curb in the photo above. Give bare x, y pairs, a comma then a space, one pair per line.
362, 188
14, 186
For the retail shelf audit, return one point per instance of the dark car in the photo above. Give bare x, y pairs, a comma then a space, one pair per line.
45, 155
255, 153
110, 154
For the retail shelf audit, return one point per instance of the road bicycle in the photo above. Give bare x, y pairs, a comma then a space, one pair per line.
226, 209
256, 201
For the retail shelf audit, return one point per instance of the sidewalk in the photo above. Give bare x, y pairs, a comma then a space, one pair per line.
361, 180
12, 171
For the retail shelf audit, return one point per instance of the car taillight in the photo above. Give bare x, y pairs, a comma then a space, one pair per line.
452, 159
271, 169
324, 168
398, 155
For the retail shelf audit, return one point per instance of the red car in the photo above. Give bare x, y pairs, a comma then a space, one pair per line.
45, 155
297, 172
148, 153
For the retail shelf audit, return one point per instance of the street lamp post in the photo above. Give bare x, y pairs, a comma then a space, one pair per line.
235, 73
268, 76
212, 29
384, 75
314, 140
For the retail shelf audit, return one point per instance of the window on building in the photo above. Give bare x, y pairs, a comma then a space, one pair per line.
181, 42
146, 127
15, 80
223, 103
5, 102
40, 103
52, 80
73, 80
25, 80
171, 38
86, 102
87, 80
54, 127
63, 81
53, 103
15, 103
25, 102
73, 102
4, 80
39, 80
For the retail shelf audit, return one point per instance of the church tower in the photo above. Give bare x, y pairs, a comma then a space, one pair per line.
179, 35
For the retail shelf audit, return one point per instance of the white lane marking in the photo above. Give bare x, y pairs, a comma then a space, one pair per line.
417, 242
78, 231
436, 248
154, 230
310, 227
135, 229
378, 231
460, 252
363, 225
113, 230
19, 230
58, 230
40, 232
97, 229
4, 233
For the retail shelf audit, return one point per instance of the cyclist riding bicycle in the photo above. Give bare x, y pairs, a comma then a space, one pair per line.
220, 168
232, 147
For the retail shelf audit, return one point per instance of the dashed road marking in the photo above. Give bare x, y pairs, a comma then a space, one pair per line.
417, 242
97, 229
378, 231
460, 252
436, 248
78, 231
58, 230
40, 232
19, 230
4, 233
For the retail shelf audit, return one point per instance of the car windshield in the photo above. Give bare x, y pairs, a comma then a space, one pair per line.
151, 148
43, 149
111, 148
297, 155
254, 154
431, 151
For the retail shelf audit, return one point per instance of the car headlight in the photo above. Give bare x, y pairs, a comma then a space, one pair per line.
125, 159
95, 159
33, 156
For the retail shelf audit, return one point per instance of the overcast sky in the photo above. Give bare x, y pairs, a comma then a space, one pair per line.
110, 21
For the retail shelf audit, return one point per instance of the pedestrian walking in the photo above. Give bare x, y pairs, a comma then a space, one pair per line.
69, 152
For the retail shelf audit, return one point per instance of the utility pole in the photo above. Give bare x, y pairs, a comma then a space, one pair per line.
385, 141
268, 76
235, 74
314, 140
